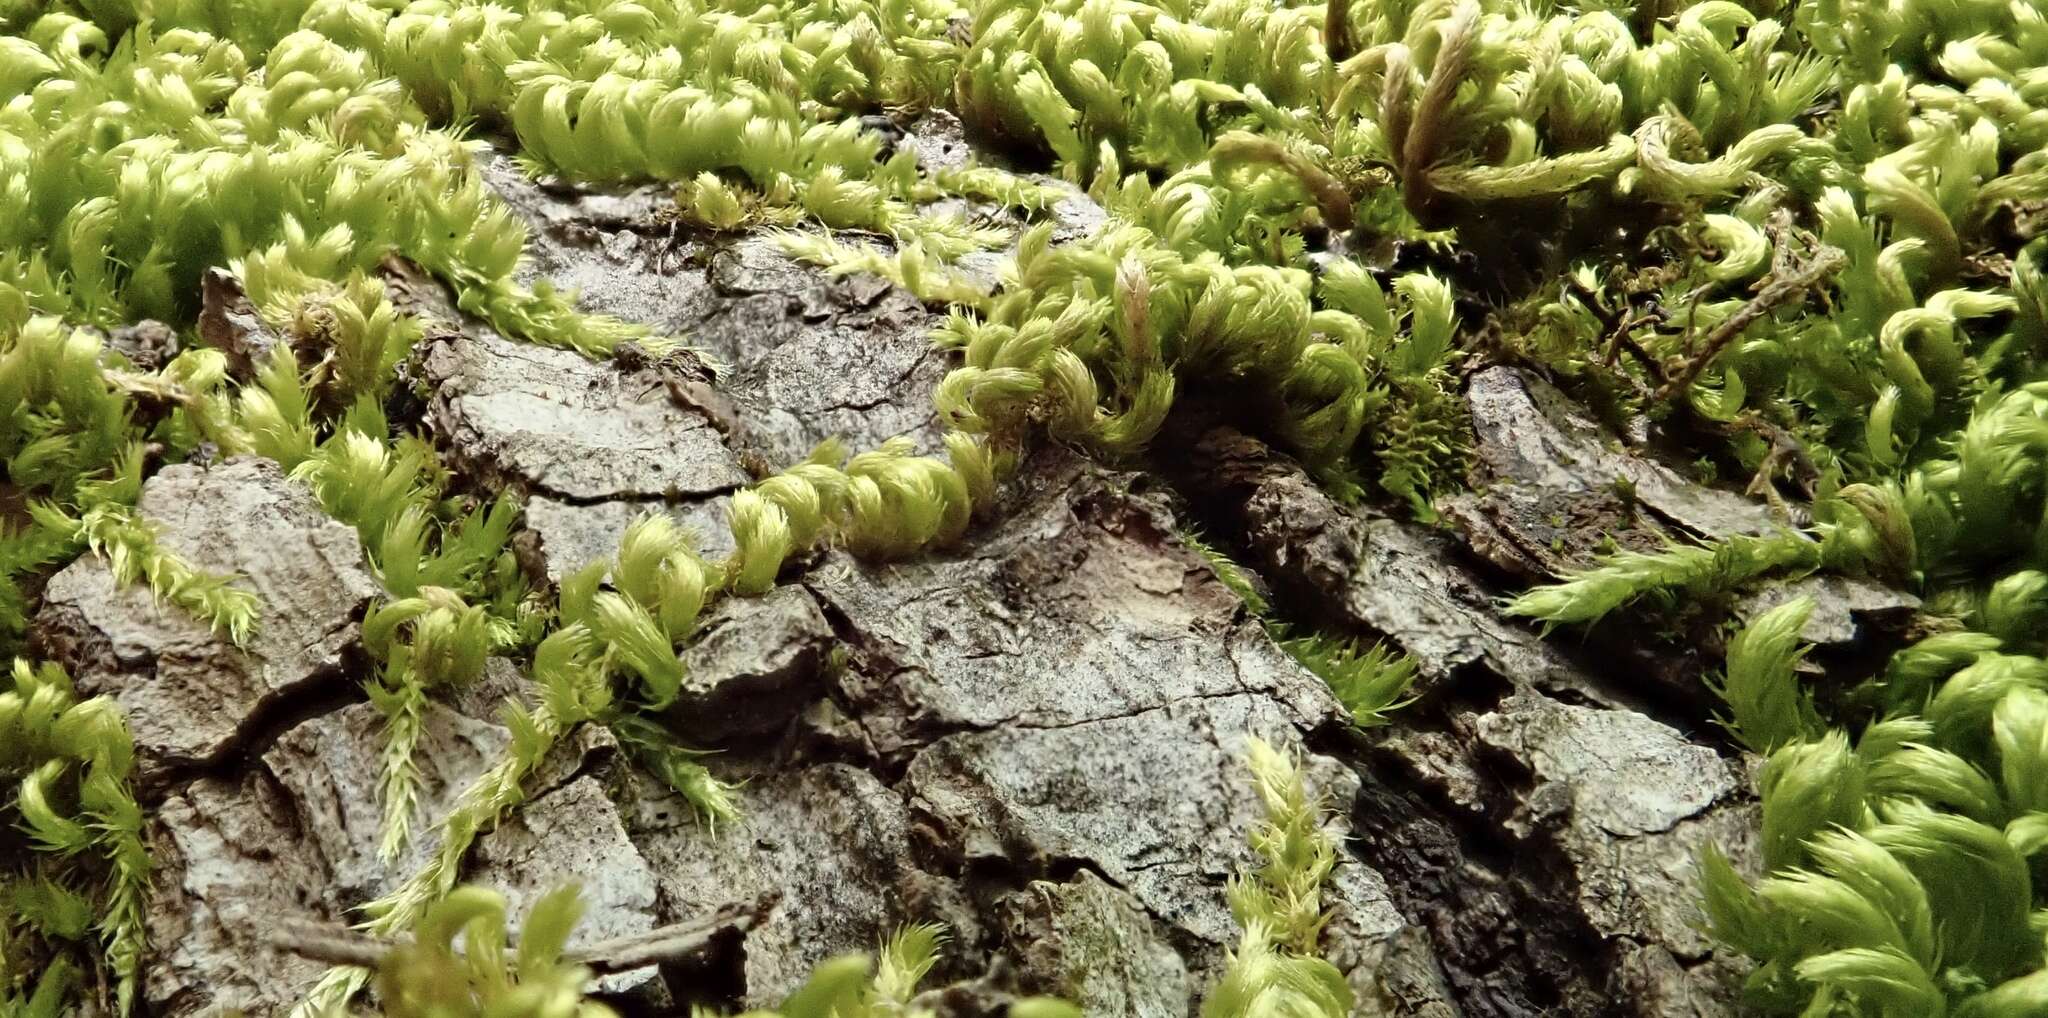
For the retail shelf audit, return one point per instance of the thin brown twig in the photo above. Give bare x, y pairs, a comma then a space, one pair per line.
1619, 329
1786, 449
329, 943
1780, 229
1591, 300
1624, 338
335, 944
1782, 290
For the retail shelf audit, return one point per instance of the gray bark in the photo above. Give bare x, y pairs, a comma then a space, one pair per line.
190, 695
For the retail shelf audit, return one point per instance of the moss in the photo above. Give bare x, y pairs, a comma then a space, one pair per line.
1796, 241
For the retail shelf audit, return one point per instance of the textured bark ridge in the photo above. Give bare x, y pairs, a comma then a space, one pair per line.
1555, 488
805, 356
1033, 738
1036, 733
802, 357
293, 834
755, 665
590, 446
575, 829
1530, 812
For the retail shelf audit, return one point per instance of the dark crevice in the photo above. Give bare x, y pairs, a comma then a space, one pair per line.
1499, 924
646, 498
321, 694
1663, 672
714, 979
326, 689
1614, 665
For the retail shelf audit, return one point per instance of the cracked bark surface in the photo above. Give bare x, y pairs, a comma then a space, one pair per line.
1034, 738
1541, 808
802, 357
1539, 816
1080, 573
588, 446
805, 356
293, 834
1553, 488
574, 829
1060, 705
290, 834
754, 665
1087, 937
191, 696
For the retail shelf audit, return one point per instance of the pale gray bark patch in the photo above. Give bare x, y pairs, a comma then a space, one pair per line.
228, 864
574, 834
331, 769
1554, 490
290, 835
532, 418
807, 356
832, 839
1079, 578
190, 695
574, 535
1542, 458
590, 447
1089, 937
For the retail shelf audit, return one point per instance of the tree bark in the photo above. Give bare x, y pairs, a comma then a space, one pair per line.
1033, 738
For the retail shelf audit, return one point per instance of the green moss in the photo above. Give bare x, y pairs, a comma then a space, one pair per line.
1647, 197
1277, 968
85, 870
1369, 681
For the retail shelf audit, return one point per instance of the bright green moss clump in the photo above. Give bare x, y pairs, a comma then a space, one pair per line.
69, 762
1275, 969
1901, 390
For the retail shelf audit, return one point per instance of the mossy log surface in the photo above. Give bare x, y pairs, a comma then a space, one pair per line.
1032, 740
